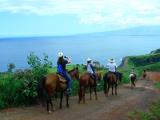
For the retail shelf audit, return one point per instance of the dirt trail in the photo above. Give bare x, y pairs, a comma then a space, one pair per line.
110, 108
155, 76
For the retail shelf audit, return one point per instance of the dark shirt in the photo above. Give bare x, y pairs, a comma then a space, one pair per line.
63, 63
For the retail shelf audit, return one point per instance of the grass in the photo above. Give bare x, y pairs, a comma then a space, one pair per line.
157, 85
152, 114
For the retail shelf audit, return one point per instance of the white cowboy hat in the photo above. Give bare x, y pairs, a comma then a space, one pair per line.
60, 54
111, 60
89, 59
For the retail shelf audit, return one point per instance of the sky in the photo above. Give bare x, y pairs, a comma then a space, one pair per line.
67, 17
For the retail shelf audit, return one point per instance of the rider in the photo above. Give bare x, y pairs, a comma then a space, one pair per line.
132, 72
112, 66
90, 69
61, 69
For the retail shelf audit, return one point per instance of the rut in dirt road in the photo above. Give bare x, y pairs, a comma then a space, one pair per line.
105, 108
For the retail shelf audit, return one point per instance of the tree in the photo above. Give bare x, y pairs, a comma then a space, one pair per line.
11, 66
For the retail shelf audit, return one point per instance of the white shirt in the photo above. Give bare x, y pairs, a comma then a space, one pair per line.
112, 67
89, 69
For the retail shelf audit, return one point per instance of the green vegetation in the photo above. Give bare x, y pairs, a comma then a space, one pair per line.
19, 87
157, 85
152, 114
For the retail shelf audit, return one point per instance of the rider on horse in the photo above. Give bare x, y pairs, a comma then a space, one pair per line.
61, 69
90, 69
132, 72
112, 66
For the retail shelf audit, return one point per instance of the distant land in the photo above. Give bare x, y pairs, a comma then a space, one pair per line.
135, 31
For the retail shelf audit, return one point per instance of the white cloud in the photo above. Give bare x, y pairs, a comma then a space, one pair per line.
121, 13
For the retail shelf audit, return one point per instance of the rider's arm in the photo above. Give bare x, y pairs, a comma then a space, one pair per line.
67, 59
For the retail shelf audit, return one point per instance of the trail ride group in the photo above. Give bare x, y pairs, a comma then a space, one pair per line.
62, 81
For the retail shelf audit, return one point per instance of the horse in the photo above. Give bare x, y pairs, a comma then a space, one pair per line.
99, 76
52, 83
133, 78
110, 80
86, 81
144, 75
119, 76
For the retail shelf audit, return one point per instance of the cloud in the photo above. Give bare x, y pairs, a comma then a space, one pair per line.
120, 13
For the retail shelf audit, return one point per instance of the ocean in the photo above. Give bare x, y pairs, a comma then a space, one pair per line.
79, 48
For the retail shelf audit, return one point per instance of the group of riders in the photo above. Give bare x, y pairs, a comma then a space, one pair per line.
64, 60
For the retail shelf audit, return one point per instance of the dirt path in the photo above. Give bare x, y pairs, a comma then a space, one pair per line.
110, 108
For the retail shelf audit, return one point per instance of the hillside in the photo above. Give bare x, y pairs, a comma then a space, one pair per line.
150, 61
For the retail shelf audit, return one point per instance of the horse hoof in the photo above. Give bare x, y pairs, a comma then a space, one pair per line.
49, 112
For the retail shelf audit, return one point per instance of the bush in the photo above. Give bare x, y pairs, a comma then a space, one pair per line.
20, 87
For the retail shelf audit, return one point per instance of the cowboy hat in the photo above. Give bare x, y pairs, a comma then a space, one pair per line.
111, 60
89, 59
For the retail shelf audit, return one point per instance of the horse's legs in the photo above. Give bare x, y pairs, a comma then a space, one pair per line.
47, 105
134, 83
108, 86
67, 99
112, 88
90, 89
105, 86
95, 90
50, 100
116, 88
80, 95
83, 94
61, 98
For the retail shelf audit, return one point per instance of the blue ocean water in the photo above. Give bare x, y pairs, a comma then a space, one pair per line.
79, 48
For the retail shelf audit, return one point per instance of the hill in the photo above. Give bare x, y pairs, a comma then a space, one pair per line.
142, 61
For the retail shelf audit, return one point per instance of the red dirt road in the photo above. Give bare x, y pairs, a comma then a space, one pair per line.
155, 76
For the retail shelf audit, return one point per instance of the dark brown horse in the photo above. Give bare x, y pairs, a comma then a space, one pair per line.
110, 80
53, 83
133, 78
86, 81
144, 75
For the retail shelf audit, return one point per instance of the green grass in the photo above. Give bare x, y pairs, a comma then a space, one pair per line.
157, 85
152, 114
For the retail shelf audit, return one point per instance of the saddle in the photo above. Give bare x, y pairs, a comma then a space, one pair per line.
63, 82
62, 79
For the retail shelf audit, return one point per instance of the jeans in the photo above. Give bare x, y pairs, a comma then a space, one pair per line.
68, 78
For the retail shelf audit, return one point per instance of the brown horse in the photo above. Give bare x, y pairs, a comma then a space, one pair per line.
99, 76
86, 81
53, 83
133, 78
110, 80
144, 75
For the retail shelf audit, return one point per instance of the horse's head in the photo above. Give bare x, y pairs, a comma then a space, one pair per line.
74, 73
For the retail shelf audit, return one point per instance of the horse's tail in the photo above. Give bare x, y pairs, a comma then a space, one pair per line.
105, 79
41, 90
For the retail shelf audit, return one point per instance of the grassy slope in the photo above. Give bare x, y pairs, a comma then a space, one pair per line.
150, 62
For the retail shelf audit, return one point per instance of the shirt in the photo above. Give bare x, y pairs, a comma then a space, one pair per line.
63, 63
112, 67
90, 68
